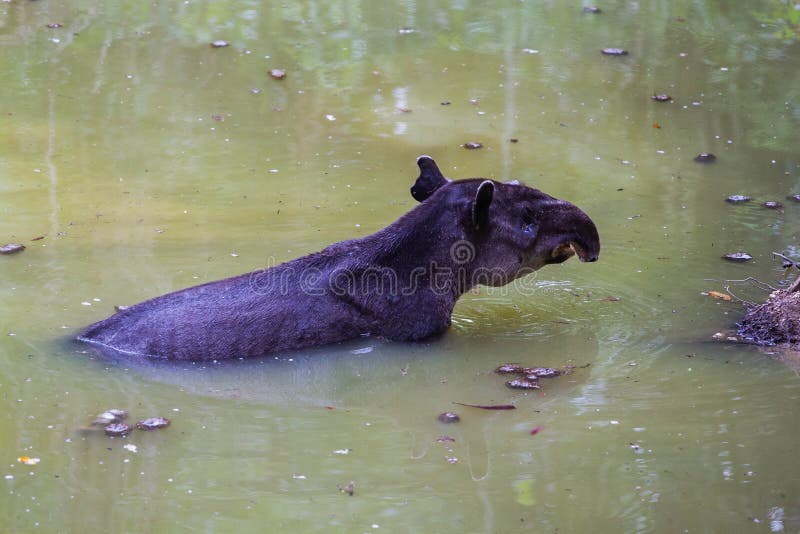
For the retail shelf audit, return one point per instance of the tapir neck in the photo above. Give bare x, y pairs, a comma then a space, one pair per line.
425, 248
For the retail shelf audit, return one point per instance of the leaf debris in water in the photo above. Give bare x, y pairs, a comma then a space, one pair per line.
348, 489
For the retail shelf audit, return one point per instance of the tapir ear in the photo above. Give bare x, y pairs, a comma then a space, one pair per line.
483, 199
430, 179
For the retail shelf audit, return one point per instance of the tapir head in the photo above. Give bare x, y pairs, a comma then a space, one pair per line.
515, 229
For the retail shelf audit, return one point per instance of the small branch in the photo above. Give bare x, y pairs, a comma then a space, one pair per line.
786, 260
762, 285
795, 286
738, 299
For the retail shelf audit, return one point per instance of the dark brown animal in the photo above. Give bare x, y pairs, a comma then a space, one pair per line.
400, 283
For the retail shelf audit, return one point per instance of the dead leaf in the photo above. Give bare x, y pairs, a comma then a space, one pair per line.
718, 295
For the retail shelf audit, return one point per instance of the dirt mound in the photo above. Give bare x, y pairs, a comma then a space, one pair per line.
775, 322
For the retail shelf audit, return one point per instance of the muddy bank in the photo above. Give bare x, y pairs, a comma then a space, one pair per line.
776, 321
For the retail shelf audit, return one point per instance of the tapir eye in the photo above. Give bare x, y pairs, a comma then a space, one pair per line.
528, 224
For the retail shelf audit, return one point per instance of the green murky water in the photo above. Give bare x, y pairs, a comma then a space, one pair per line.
150, 161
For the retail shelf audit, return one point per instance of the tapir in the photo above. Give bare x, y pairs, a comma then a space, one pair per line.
400, 283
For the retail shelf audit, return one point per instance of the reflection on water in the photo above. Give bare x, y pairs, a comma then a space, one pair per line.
150, 161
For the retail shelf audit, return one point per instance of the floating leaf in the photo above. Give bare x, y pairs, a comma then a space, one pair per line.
11, 248
523, 383
153, 423
738, 257
524, 489
118, 430
108, 417
448, 417
705, 157
509, 368
533, 373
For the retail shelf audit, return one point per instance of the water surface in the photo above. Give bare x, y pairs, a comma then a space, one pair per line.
150, 161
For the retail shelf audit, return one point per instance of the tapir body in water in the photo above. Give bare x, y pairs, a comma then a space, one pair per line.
400, 283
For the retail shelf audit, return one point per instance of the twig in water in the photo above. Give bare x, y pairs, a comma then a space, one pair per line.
794, 287
786, 260
762, 285
738, 299
488, 406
